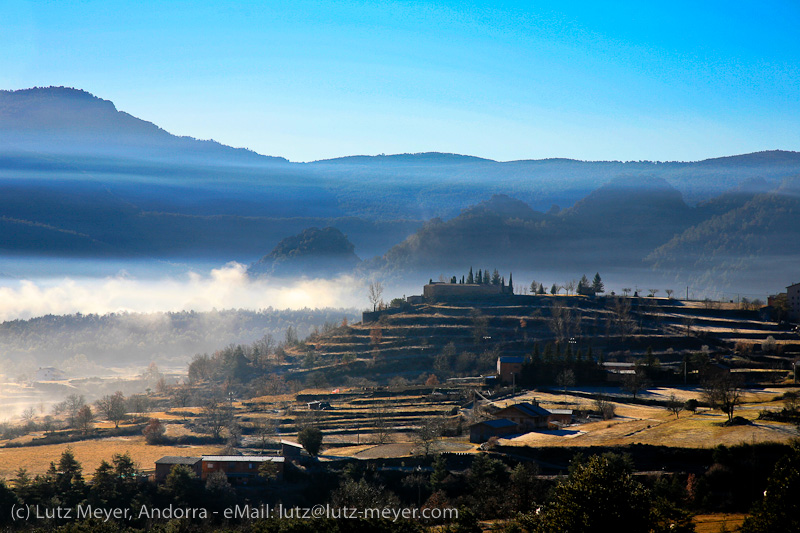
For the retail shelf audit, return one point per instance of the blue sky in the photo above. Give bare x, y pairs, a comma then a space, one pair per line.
505, 80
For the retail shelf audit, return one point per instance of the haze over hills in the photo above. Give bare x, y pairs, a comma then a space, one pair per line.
79, 178
313, 253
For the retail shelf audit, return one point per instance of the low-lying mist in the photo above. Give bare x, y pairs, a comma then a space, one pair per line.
227, 287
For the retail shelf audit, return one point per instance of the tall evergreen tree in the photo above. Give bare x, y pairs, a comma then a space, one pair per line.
479, 278
554, 289
511, 282
597, 284
584, 288
495, 277
470, 277
541, 289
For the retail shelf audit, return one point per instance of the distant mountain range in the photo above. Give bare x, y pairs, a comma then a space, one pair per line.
80, 178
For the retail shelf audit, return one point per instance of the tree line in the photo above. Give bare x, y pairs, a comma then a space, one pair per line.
598, 493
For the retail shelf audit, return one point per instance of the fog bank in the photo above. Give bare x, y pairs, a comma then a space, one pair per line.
222, 288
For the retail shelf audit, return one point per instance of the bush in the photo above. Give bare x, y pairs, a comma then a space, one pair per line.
154, 431
605, 408
311, 439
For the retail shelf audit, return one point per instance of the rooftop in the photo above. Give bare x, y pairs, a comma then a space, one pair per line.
243, 458
528, 408
498, 424
176, 460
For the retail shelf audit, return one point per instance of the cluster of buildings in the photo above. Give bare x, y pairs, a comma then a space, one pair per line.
792, 296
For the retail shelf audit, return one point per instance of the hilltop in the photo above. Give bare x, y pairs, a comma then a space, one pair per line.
464, 337
314, 252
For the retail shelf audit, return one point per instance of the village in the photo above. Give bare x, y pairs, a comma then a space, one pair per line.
435, 384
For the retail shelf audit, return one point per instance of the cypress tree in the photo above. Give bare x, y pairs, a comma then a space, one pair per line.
511, 282
479, 278
470, 277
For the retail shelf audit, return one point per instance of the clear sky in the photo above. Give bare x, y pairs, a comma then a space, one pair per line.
505, 80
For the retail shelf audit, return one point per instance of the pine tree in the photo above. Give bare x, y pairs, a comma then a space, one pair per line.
541, 289
479, 278
486, 277
470, 277
584, 288
495, 277
554, 289
511, 283
597, 284
548, 353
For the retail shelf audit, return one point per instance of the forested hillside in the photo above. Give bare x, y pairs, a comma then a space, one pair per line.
136, 339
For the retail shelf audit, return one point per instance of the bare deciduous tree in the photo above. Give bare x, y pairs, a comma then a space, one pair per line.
375, 293
565, 379
723, 392
215, 417
570, 286
563, 322
621, 322
635, 382
674, 405
427, 436
605, 407
380, 421
113, 406
84, 420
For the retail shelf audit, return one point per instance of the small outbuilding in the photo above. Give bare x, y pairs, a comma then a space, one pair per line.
509, 366
483, 431
527, 416
165, 464
291, 450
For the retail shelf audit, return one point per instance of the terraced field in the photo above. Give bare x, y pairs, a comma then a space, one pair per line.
405, 342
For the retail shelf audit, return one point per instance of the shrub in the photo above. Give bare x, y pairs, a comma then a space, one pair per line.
154, 431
